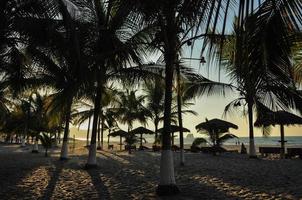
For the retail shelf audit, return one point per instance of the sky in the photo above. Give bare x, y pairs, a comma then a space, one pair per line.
213, 106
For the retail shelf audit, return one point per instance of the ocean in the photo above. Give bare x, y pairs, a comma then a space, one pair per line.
262, 141
269, 141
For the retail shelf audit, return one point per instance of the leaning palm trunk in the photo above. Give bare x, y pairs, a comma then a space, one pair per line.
109, 131
282, 153
23, 141
36, 145
64, 149
91, 162
167, 185
99, 134
156, 129
102, 133
181, 139
252, 151
88, 130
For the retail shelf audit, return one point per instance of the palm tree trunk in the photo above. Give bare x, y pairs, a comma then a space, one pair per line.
282, 141
172, 139
156, 129
88, 130
36, 145
59, 136
102, 132
252, 151
99, 134
120, 142
141, 139
108, 137
64, 149
23, 141
181, 135
167, 184
91, 162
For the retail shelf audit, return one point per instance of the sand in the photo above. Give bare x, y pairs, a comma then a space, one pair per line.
24, 175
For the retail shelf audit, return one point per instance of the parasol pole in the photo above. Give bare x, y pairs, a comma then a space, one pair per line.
282, 141
141, 140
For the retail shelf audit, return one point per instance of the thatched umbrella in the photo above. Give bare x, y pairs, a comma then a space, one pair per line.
120, 133
174, 129
216, 125
140, 131
281, 118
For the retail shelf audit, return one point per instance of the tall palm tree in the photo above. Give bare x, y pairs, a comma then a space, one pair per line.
61, 68
131, 108
115, 48
178, 22
261, 74
154, 91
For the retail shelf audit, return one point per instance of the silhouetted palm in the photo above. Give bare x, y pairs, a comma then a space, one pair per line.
115, 48
131, 108
261, 74
177, 22
60, 66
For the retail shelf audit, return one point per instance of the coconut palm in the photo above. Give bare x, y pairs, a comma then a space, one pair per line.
115, 48
260, 74
177, 21
131, 108
60, 67
46, 142
109, 98
130, 140
155, 101
154, 92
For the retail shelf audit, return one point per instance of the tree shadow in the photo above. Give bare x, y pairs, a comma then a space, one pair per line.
99, 185
55, 175
140, 181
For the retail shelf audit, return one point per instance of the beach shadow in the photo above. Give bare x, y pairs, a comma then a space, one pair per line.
249, 178
16, 170
143, 180
55, 175
98, 184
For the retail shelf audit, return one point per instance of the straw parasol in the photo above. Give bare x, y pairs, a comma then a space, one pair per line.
216, 129
281, 118
216, 125
174, 129
140, 131
120, 133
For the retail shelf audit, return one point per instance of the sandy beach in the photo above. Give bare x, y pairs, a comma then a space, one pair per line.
24, 175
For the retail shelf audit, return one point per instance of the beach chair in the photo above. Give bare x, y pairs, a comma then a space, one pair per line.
291, 152
269, 150
110, 146
175, 148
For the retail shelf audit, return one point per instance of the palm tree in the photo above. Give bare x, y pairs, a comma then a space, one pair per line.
118, 49
177, 17
46, 142
130, 140
154, 91
261, 74
177, 21
61, 68
131, 108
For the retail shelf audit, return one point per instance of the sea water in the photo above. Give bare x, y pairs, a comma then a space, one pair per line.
262, 141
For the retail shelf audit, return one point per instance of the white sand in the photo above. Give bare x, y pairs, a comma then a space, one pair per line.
121, 176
